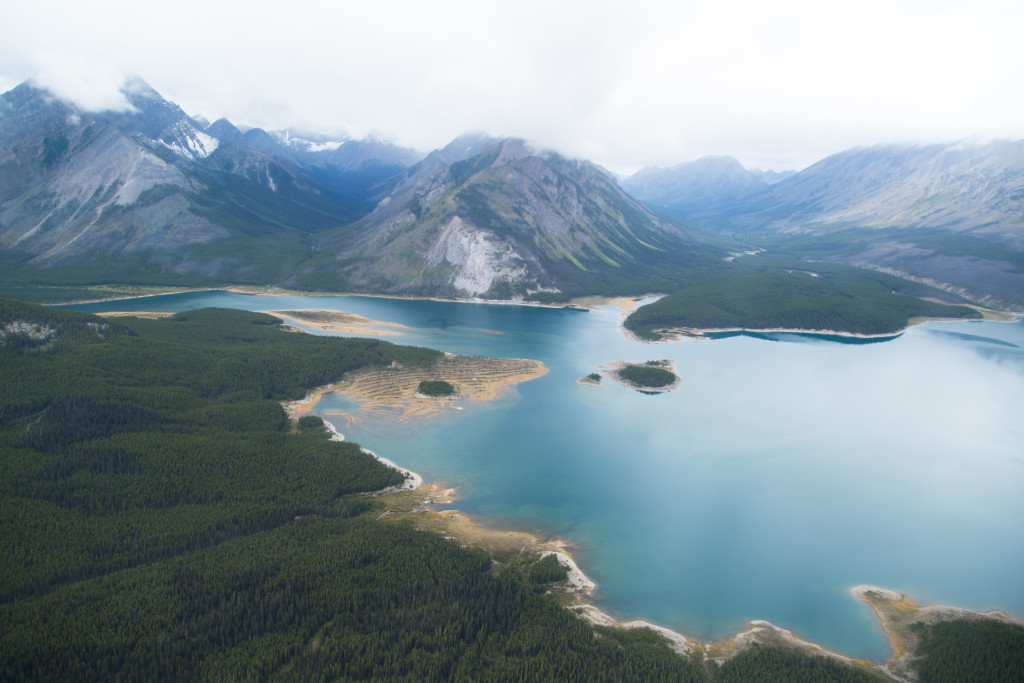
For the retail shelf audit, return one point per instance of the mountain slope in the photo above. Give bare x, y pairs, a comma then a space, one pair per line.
958, 188
145, 195
695, 185
506, 222
71, 183
950, 215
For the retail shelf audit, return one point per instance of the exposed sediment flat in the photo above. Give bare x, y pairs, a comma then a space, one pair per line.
340, 322
390, 392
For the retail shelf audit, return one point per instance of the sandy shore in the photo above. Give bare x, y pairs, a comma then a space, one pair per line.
897, 613
151, 315
625, 304
340, 322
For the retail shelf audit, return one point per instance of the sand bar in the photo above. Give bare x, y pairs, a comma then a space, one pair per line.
340, 322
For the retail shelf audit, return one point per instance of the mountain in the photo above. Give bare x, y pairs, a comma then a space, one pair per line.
152, 195
950, 215
504, 222
700, 185
73, 183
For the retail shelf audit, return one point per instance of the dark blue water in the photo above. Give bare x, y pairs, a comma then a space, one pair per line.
783, 471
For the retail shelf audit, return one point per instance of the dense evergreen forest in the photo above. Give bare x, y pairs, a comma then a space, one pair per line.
970, 650
162, 519
647, 375
763, 293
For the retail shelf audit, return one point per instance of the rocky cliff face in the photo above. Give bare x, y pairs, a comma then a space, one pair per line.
72, 184
506, 222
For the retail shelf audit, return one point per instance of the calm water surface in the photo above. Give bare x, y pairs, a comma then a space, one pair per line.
783, 471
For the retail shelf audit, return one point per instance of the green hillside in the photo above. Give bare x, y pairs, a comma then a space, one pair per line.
764, 294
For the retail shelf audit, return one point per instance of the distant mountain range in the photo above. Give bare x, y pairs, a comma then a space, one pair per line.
948, 215
695, 185
154, 196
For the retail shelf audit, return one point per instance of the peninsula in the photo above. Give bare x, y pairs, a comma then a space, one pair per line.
395, 391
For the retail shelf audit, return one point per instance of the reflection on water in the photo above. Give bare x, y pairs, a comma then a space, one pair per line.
777, 476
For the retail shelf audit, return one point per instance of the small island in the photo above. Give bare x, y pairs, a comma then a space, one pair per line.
592, 380
436, 388
651, 377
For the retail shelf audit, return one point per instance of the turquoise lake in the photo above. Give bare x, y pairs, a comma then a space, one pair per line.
784, 470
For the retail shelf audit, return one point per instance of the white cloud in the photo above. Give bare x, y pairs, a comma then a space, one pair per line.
776, 84
93, 86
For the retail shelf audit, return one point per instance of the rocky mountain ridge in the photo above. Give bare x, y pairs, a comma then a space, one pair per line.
149, 193
506, 222
152, 195
948, 215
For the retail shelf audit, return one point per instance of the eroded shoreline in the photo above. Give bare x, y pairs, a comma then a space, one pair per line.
457, 525
416, 501
897, 614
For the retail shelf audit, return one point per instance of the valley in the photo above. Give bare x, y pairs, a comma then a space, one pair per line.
190, 487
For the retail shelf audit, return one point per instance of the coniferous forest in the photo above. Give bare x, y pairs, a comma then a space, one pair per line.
163, 519
763, 293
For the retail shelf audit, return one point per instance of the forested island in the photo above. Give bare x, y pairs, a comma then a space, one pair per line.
650, 377
164, 519
773, 294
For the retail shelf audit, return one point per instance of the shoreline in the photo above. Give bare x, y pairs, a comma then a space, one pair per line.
759, 631
412, 480
337, 322
626, 303
897, 613
415, 499
578, 589
675, 334
577, 303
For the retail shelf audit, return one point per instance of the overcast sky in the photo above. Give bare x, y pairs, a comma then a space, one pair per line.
778, 84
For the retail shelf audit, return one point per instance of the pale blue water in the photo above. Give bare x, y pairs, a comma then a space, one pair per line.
782, 472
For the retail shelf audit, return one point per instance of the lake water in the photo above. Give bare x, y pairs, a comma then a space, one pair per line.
783, 471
